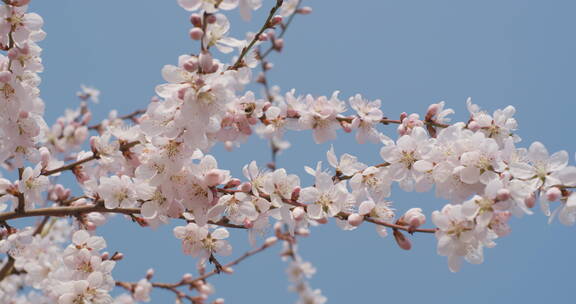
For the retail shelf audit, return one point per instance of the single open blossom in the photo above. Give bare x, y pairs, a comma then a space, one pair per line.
199, 242
326, 198
117, 191
33, 184
369, 115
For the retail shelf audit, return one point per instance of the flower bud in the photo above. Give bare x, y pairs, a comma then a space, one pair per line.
401, 240
19, 2
270, 241
530, 201
196, 33
306, 10
149, 274
503, 195
218, 301
473, 126
248, 224
205, 60
233, 183
5, 76
553, 194
196, 20
245, 187
322, 221
298, 213
214, 177
355, 219
275, 20
44, 157
295, 194
117, 256
211, 19
187, 277
414, 217
278, 44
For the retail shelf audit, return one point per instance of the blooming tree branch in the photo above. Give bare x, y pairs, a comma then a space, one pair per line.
153, 165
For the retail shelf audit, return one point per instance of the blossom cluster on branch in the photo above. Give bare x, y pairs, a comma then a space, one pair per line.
154, 167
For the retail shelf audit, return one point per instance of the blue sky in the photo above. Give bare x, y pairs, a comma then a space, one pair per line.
407, 53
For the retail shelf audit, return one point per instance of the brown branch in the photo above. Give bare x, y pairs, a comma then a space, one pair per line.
123, 148
132, 116
172, 286
79, 210
283, 31
267, 24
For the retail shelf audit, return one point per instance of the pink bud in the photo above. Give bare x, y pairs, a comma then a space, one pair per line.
86, 118
401, 240
191, 65
19, 2
149, 274
295, 194
196, 20
232, 183
105, 255
93, 142
553, 194
503, 195
248, 224
187, 277
211, 19
473, 126
298, 213
117, 256
292, 113
80, 134
270, 241
196, 33
302, 232
90, 226
530, 201
306, 10
278, 44
275, 20
214, 177
5, 76
414, 217
346, 127
403, 115
205, 60
322, 220
44, 156
246, 187
355, 219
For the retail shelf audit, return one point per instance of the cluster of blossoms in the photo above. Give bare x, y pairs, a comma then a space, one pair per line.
78, 273
158, 169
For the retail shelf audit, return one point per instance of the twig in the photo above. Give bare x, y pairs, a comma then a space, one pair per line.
267, 24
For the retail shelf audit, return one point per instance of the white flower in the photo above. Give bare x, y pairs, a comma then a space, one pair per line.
32, 184
198, 242
117, 191
326, 198
540, 167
